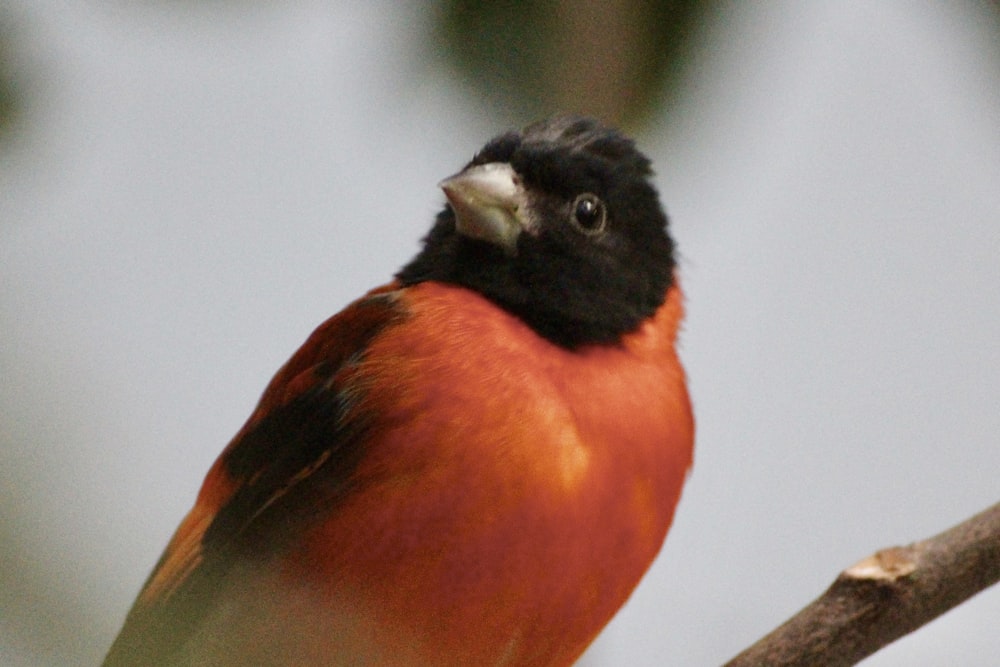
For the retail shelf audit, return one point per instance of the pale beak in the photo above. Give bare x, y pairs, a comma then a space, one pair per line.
489, 203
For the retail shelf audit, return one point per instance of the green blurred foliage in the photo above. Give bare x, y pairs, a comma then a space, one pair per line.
10, 97
617, 60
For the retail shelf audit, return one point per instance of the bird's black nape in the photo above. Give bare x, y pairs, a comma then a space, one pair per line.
594, 258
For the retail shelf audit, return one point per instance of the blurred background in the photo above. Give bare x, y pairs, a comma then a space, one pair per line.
188, 188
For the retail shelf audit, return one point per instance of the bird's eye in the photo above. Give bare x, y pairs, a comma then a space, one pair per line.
589, 214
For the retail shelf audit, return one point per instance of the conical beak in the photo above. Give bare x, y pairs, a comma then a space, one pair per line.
489, 203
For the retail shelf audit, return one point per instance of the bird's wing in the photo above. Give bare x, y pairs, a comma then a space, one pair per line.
293, 458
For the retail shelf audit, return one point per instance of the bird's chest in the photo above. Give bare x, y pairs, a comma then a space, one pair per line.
508, 506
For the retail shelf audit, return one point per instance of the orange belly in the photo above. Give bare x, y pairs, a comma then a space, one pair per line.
511, 531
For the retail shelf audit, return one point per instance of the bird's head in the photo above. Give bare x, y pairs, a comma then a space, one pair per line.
559, 225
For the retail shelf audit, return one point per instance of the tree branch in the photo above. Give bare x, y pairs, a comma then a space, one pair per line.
885, 596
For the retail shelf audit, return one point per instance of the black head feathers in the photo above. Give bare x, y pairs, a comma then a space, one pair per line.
559, 225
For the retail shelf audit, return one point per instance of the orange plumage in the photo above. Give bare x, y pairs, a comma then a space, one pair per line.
431, 481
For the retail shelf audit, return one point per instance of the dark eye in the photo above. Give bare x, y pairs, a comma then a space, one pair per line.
589, 214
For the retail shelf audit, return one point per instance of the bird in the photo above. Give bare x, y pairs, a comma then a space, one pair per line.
473, 464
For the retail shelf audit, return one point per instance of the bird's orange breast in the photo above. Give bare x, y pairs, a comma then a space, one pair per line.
511, 497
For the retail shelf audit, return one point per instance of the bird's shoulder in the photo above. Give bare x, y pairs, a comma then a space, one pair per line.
298, 448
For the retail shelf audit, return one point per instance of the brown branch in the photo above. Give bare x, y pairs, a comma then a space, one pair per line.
884, 597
